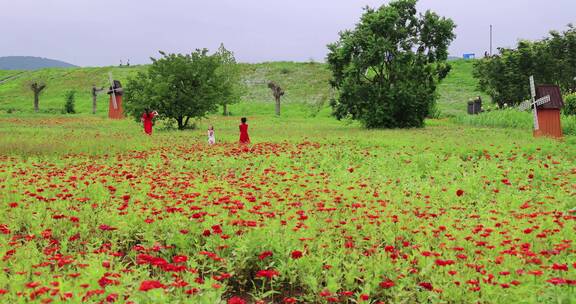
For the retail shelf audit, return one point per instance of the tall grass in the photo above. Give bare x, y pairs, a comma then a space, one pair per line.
512, 118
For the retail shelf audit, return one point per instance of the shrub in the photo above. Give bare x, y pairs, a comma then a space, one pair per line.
570, 104
70, 101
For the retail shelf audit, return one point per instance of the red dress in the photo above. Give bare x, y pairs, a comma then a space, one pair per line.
147, 120
244, 138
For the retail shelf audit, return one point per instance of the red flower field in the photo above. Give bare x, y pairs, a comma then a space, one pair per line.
292, 222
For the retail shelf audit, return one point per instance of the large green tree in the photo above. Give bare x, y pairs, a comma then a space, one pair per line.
552, 60
179, 86
230, 73
387, 69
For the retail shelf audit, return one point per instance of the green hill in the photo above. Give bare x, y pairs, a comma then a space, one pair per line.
31, 63
306, 84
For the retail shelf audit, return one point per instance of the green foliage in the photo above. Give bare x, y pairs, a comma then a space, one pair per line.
230, 73
70, 101
553, 60
179, 87
570, 104
387, 69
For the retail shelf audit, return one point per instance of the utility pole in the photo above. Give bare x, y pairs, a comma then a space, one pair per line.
490, 39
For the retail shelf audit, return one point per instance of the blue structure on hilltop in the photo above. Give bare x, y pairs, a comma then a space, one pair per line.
469, 56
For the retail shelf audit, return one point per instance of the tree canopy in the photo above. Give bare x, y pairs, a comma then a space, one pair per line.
181, 86
230, 72
387, 69
552, 61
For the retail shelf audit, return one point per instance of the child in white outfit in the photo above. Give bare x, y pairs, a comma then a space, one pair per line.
211, 138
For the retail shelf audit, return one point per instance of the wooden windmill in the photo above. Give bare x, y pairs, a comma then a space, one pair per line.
546, 104
115, 110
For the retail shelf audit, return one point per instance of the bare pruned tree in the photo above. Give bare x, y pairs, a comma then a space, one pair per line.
95, 92
277, 92
37, 87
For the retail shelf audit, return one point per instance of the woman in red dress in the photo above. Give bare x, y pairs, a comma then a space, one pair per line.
147, 120
244, 138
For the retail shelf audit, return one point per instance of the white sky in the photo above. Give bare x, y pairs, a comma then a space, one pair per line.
103, 32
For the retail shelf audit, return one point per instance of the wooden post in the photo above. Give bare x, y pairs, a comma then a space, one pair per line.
95, 92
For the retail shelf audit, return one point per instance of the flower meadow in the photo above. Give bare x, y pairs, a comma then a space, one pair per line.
306, 214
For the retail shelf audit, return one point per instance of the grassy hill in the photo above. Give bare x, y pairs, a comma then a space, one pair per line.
31, 63
306, 86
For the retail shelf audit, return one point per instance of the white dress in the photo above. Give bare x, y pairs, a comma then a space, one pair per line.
211, 138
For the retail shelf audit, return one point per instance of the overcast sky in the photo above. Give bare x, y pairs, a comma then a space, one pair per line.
103, 32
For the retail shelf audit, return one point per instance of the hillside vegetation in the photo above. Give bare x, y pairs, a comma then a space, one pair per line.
306, 86
31, 63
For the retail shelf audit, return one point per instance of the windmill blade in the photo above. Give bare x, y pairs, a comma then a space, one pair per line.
525, 105
532, 87
543, 100
113, 91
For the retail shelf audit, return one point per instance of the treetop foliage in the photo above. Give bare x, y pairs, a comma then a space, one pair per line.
183, 86
552, 61
387, 69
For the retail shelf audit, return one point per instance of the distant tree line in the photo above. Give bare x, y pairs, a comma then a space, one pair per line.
552, 61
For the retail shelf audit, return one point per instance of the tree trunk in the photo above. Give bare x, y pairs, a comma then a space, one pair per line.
94, 104
180, 121
186, 121
225, 106
277, 106
36, 102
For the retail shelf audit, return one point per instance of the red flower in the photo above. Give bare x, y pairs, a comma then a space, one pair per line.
364, 297
296, 254
425, 285
506, 182
179, 259
557, 281
560, 267
444, 262
289, 300
350, 169
387, 284
32, 284
265, 254
217, 229
269, 274
111, 298
460, 192
148, 285
106, 228
236, 300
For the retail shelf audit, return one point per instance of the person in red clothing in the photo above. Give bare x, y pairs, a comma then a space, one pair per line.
244, 138
148, 120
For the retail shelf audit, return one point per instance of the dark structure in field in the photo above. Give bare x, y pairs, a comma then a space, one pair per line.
115, 108
549, 113
475, 106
